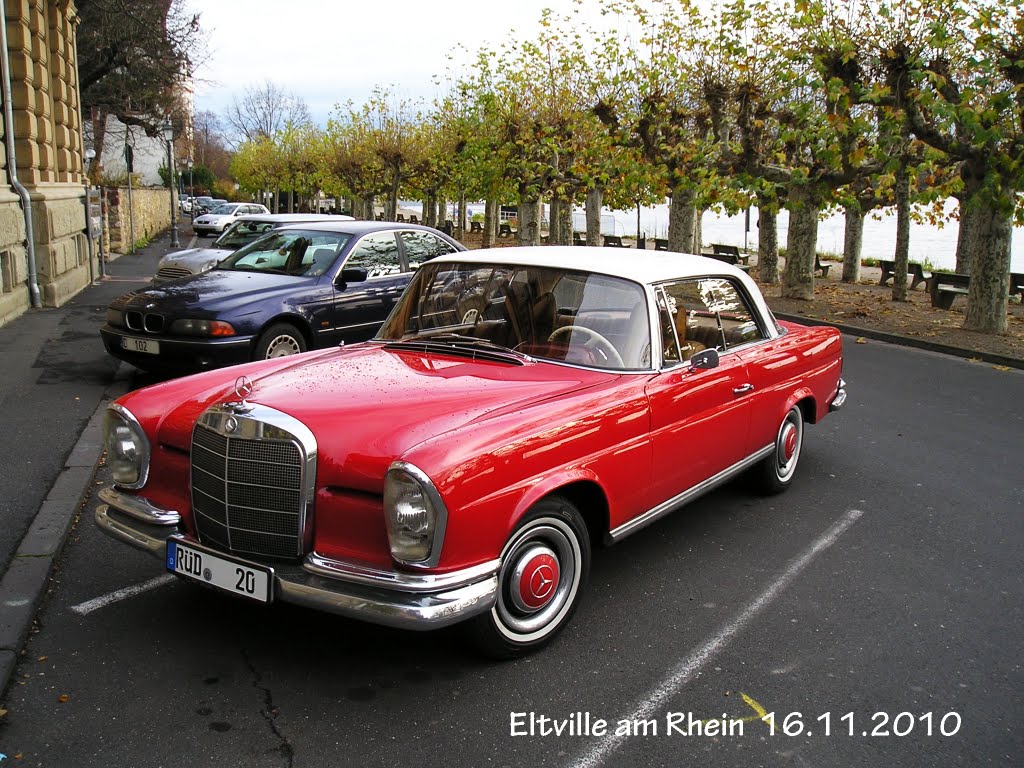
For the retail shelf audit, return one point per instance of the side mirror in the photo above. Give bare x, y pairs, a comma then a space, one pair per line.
353, 275
706, 359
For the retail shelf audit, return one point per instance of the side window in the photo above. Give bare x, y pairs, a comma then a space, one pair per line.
422, 246
377, 254
707, 313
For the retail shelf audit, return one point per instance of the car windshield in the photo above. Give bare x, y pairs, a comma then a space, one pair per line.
242, 233
289, 252
547, 313
224, 210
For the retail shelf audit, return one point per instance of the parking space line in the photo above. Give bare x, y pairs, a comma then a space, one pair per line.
686, 670
101, 602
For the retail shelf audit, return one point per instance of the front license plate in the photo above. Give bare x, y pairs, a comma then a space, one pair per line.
222, 572
147, 346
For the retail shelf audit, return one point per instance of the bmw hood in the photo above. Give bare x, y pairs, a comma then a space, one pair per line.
195, 260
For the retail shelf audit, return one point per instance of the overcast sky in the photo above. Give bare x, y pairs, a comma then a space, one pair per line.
328, 52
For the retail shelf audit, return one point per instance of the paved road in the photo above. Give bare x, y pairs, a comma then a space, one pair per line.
887, 580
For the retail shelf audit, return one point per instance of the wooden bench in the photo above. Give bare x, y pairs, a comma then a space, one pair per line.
613, 241
915, 270
413, 219
822, 266
944, 287
476, 226
400, 217
578, 238
505, 230
730, 258
660, 244
1017, 284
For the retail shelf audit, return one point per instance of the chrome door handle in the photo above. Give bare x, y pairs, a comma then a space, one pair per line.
743, 389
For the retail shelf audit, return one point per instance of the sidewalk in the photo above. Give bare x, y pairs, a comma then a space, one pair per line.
55, 379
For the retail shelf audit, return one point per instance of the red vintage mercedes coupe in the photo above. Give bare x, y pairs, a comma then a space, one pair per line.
519, 407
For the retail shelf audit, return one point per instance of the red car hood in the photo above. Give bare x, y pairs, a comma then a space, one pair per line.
366, 405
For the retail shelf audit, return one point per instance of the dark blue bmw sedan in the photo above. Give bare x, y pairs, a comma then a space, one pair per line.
300, 287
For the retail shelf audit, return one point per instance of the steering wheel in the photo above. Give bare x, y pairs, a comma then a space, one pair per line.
594, 341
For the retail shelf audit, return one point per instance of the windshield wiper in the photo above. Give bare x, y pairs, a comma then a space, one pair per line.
461, 343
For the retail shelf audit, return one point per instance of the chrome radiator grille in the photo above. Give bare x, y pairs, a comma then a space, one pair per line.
252, 482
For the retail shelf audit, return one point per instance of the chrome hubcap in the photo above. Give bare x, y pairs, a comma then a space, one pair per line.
787, 445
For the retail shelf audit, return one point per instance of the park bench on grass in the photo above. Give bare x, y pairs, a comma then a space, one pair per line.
944, 287
915, 270
505, 230
660, 244
613, 241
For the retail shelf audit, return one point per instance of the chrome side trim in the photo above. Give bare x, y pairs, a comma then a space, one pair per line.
839, 398
403, 582
139, 508
688, 495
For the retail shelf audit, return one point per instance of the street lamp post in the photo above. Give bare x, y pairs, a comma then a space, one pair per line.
191, 193
169, 138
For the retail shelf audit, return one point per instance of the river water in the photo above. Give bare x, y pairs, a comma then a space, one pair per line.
928, 243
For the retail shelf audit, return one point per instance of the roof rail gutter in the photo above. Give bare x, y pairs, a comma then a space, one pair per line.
12, 164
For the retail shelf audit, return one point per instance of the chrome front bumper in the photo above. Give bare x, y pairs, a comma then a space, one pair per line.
392, 598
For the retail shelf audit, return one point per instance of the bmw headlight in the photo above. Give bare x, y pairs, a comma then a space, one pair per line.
115, 317
127, 448
416, 516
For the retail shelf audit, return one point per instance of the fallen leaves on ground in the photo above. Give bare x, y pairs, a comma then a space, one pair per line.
861, 340
63, 698
1002, 367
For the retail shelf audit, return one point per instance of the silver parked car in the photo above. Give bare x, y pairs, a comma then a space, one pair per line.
217, 220
195, 261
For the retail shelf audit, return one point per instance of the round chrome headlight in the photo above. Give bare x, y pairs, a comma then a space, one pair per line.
416, 516
127, 448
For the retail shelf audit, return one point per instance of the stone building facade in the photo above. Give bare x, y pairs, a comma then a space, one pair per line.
49, 158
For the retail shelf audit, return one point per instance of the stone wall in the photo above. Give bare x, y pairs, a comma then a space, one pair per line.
152, 212
48, 148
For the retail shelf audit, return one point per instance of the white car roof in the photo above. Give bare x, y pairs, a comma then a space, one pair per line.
640, 266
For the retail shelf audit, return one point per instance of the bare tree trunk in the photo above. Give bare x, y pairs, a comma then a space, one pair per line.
565, 222
529, 221
442, 212
966, 239
426, 211
277, 201
767, 245
555, 222
902, 254
680, 221
462, 216
698, 231
801, 248
595, 200
369, 207
853, 240
490, 221
989, 290
392, 206
291, 201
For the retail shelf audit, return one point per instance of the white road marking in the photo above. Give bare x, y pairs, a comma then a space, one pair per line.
101, 602
686, 670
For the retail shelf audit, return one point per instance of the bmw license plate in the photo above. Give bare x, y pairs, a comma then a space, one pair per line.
224, 573
148, 346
